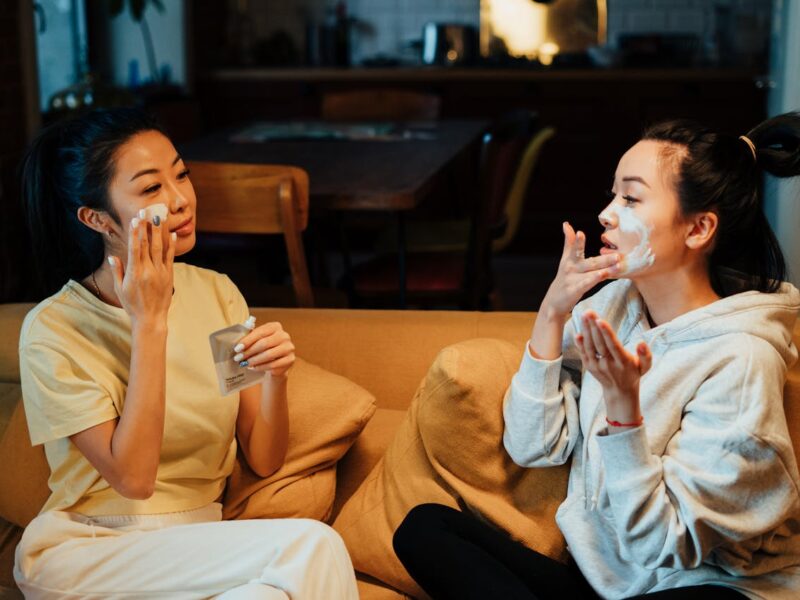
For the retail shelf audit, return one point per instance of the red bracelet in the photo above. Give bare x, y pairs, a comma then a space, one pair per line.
618, 424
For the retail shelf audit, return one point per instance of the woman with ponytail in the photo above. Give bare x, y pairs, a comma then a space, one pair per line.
664, 389
118, 385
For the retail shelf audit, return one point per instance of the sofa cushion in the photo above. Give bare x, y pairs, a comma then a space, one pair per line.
10, 535
326, 414
449, 450
367, 450
370, 588
23, 478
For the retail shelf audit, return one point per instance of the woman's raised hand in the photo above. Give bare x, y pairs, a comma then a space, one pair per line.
144, 284
576, 273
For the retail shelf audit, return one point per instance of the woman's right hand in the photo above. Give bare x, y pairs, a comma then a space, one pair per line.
144, 284
576, 274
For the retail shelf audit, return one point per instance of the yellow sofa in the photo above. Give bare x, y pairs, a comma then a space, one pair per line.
386, 352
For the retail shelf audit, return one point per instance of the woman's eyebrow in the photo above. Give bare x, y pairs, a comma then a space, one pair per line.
639, 179
150, 171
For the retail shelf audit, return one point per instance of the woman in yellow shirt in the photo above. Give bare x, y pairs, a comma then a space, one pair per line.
119, 385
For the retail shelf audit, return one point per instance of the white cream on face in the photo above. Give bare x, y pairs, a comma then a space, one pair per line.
641, 256
148, 212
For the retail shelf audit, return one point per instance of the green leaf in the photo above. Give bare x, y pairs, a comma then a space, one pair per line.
159, 5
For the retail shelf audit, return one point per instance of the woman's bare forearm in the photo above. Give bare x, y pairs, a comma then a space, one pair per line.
269, 435
136, 443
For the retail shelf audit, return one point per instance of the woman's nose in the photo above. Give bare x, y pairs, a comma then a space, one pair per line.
608, 218
177, 202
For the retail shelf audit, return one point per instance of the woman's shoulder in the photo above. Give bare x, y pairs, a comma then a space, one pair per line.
50, 319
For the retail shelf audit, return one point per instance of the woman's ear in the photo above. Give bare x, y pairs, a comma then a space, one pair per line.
96, 220
702, 228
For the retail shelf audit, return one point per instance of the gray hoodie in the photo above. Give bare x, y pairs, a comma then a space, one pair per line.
707, 490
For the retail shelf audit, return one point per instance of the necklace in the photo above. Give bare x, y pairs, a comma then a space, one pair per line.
96, 287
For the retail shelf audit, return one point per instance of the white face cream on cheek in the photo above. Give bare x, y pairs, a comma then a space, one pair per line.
153, 210
641, 256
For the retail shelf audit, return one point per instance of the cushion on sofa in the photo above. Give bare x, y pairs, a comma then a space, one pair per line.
449, 450
326, 414
9, 538
23, 477
367, 450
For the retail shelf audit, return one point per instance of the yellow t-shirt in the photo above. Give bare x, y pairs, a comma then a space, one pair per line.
75, 354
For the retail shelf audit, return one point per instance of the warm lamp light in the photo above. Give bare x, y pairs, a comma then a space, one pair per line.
521, 23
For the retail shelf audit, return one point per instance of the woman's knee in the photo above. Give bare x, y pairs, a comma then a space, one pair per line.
322, 537
419, 525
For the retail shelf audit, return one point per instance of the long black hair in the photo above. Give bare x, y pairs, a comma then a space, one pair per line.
71, 164
721, 173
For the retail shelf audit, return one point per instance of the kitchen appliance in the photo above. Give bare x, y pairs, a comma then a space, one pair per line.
449, 44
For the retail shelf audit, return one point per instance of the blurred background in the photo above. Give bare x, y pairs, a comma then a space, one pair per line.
445, 140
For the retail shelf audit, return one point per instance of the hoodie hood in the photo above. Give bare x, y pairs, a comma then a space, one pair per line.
769, 316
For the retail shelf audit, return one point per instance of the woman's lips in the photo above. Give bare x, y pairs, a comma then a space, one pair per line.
607, 246
186, 228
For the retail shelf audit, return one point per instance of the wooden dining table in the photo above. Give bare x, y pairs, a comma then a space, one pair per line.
391, 172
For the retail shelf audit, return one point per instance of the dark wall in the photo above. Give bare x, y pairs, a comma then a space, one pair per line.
15, 265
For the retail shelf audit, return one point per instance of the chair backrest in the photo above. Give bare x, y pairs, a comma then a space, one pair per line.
515, 198
267, 199
501, 152
380, 104
509, 151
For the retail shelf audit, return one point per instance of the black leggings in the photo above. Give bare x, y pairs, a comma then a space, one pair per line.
451, 554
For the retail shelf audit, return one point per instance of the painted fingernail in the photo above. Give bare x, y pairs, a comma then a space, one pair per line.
174, 236
156, 220
244, 363
238, 357
111, 260
238, 347
142, 213
135, 222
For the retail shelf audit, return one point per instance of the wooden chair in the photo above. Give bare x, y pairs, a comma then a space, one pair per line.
380, 105
257, 199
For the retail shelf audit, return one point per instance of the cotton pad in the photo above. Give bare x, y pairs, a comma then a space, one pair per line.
158, 209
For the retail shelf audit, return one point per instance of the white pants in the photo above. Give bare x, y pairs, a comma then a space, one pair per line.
187, 555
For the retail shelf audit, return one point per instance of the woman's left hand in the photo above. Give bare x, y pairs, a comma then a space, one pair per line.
617, 370
267, 348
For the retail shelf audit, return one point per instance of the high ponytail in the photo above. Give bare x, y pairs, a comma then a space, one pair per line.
722, 173
777, 142
69, 165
